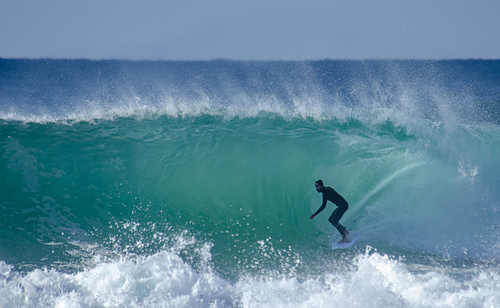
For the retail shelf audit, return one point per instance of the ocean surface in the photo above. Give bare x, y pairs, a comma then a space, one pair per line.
190, 184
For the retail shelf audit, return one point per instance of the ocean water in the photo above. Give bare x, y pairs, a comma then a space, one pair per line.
190, 184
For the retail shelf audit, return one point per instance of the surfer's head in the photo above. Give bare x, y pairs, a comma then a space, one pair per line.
319, 185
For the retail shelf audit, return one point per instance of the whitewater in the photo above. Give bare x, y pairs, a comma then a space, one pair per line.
190, 184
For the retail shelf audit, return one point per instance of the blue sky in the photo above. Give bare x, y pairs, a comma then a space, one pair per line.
250, 30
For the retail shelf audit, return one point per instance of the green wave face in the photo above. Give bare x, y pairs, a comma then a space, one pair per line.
245, 188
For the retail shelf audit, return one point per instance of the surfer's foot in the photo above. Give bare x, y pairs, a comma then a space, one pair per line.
346, 232
344, 240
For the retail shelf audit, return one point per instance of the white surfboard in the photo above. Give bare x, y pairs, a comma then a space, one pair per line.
352, 239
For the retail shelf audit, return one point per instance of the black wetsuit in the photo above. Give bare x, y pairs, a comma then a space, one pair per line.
342, 206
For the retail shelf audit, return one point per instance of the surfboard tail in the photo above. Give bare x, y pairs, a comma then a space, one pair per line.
352, 240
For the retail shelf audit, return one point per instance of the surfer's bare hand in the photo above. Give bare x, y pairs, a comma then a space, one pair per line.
312, 216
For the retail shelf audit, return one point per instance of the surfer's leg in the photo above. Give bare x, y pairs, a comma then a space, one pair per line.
344, 228
342, 209
334, 220
332, 217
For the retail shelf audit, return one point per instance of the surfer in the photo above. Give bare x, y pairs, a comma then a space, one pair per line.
342, 206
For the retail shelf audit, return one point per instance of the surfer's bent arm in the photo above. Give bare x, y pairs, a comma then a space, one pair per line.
322, 207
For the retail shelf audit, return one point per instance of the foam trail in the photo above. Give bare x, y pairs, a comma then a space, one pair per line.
386, 182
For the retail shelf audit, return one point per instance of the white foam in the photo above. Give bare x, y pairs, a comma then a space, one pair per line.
164, 280
161, 280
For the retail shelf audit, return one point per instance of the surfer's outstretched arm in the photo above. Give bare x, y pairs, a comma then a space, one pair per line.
322, 207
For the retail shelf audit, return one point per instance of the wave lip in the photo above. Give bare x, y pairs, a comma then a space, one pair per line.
78, 90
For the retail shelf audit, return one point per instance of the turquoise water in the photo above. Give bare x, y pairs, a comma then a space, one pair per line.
147, 190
